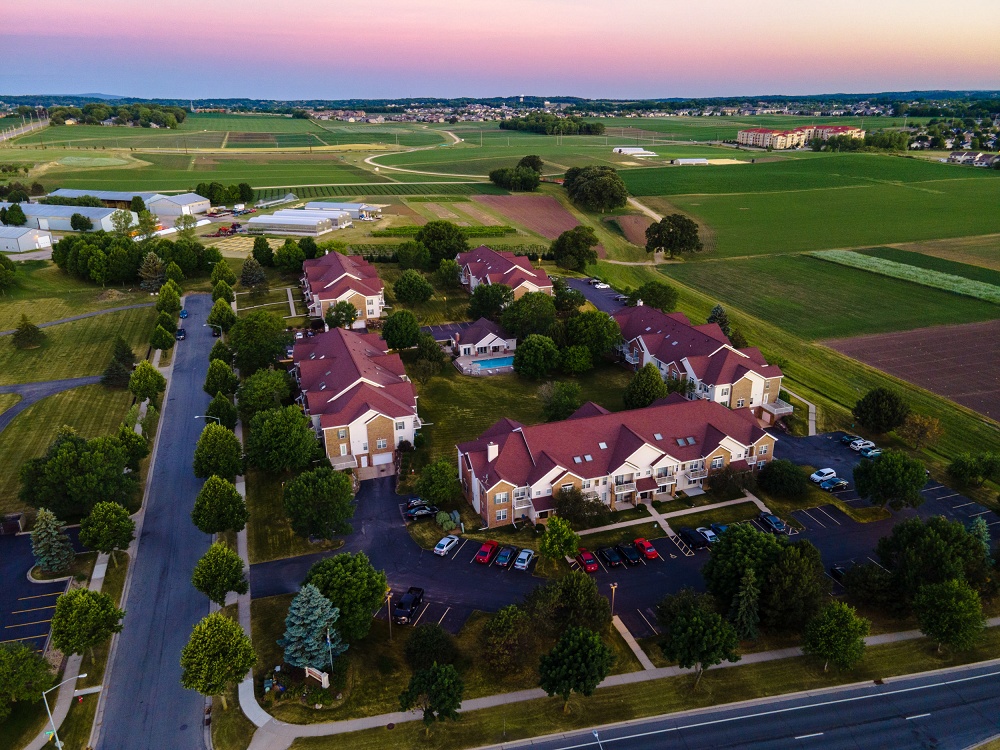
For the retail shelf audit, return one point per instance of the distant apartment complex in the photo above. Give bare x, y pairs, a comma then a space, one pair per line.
487, 266
702, 355
796, 137
334, 278
513, 471
357, 396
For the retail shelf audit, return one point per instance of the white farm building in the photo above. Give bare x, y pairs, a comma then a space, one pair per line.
299, 223
339, 219
57, 218
632, 151
357, 211
23, 239
157, 203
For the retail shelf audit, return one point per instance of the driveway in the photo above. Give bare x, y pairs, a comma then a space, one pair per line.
602, 299
32, 392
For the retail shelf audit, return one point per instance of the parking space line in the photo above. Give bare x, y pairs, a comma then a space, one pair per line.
945, 497
444, 615
460, 548
935, 487
26, 624
956, 507
422, 612
647, 622
600, 563
35, 609
877, 563
806, 513
980, 513
829, 516
39, 596
993, 524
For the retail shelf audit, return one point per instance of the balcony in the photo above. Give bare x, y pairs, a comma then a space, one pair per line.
624, 488
343, 462
694, 474
521, 503
778, 408
590, 495
667, 481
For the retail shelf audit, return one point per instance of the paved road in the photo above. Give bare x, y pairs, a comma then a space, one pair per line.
952, 710
84, 315
146, 707
602, 299
32, 392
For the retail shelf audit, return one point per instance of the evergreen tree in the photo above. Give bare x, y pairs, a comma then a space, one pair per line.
219, 507
107, 529
51, 547
223, 291
218, 654
745, 613
223, 409
122, 352
152, 272
27, 335
262, 251
252, 276
645, 387
980, 531
721, 317
219, 571
116, 375
310, 639
15, 216
84, 619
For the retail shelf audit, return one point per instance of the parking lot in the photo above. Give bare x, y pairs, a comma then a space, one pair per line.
603, 299
25, 608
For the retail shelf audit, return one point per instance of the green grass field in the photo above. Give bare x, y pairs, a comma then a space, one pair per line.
975, 273
725, 128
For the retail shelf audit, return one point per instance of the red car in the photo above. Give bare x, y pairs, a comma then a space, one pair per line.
487, 552
587, 561
648, 550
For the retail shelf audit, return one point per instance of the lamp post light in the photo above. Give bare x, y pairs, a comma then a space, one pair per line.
388, 607
614, 587
52, 722
597, 736
212, 325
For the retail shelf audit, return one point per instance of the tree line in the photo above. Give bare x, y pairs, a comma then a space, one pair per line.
143, 115
549, 124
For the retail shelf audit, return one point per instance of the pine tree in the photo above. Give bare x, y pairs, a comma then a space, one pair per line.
27, 335
310, 638
252, 276
49, 544
122, 352
745, 613
720, 316
262, 252
151, 272
980, 530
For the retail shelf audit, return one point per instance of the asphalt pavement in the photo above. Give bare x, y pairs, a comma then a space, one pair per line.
146, 707
32, 392
603, 299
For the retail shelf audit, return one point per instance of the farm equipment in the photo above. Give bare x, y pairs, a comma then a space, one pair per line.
229, 230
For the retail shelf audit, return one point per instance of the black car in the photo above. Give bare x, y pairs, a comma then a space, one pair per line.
181, 334
772, 523
692, 538
421, 511
506, 557
415, 502
847, 439
629, 554
216, 332
610, 556
837, 573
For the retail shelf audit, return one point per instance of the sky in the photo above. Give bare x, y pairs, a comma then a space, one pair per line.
337, 49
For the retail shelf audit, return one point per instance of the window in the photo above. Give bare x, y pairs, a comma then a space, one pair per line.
343, 449
364, 446
567, 487
381, 444
725, 391
663, 471
501, 497
400, 425
520, 493
717, 462
502, 514
342, 434
761, 464
739, 403
762, 451
586, 484
764, 401
751, 401
767, 385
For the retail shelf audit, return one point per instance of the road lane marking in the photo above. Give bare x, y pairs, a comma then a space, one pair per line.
918, 716
807, 736
39, 596
444, 615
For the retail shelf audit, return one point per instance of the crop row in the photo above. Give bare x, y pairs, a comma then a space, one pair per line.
394, 188
410, 230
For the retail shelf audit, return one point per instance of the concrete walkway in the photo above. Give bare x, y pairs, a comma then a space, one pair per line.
812, 411
662, 518
632, 643
84, 315
31, 393
291, 303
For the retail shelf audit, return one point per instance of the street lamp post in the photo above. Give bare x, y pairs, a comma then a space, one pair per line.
52, 722
597, 736
212, 325
614, 586
388, 607
209, 416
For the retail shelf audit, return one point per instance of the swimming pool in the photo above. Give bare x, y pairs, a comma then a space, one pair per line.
489, 364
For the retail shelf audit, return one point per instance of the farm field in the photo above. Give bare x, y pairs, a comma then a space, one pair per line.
955, 268
957, 362
976, 251
634, 226
372, 193
725, 128
541, 214
819, 300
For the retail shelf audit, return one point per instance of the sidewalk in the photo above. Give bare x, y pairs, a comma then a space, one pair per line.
662, 518
812, 411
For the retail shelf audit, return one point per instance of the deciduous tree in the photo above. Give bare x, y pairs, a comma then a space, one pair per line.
24, 674
341, 315
595, 188
401, 330
223, 291
783, 478
536, 357
221, 315
413, 255
217, 655
950, 613
219, 507
741, 548
673, 234
353, 586
597, 331
168, 301
694, 635
146, 382
320, 503
837, 635
259, 339
162, 339
559, 540
578, 663
574, 248
881, 410
655, 294
290, 257
505, 637
795, 589
448, 274
221, 407
489, 300
438, 482
645, 387
534, 312
443, 240
570, 601
559, 400
218, 452
84, 619
265, 389
412, 288
220, 378
436, 691
222, 272
219, 571
108, 528
429, 644
894, 479
281, 440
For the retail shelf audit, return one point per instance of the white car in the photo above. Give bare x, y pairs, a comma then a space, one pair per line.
709, 535
446, 545
859, 445
822, 475
524, 558
602, 285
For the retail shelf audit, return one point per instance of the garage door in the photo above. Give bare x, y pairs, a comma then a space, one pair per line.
381, 458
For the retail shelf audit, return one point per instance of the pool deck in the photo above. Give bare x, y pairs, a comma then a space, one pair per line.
467, 364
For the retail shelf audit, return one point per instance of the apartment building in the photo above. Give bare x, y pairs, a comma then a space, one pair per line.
513, 472
794, 137
485, 265
334, 278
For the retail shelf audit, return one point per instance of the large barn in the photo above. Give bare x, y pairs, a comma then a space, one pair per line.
23, 239
57, 218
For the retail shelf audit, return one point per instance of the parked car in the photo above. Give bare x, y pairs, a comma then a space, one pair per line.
506, 557
621, 298
524, 559
719, 528
217, 332
602, 285
421, 511
587, 561
487, 552
822, 475
610, 556
184, 314
446, 545
415, 502
181, 334
772, 523
692, 538
872, 452
646, 548
709, 535
837, 573
834, 485
300, 335
847, 439
859, 445
406, 608
629, 554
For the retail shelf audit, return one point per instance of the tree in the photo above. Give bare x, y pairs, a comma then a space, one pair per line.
218, 654
574, 248
138, 204
975, 468
80, 223
246, 192
152, 272
881, 410
579, 662
222, 291
166, 322
185, 226
436, 691
116, 375
309, 247
221, 407
655, 294
219, 507
429, 644
837, 635
515, 178
252, 276
169, 301
738, 340
218, 452
281, 440
894, 479
745, 612
146, 226
15, 216
162, 339
219, 571
536, 357
221, 315
567, 300
595, 188
122, 352
506, 637
570, 601
559, 400
572, 506
575, 360
783, 478
438, 482
741, 548
694, 635
289, 257
795, 588
27, 335
310, 639
222, 272
720, 317
24, 674
220, 378
221, 350
597, 331
980, 531
262, 252
341, 315
448, 274
673, 234
259, 339
320, 503
429, 350
8, 277
532, 162
353, 586
443, 240
413, 255
107, 528
400, 330
265, 389
645, 387
51, 548
173, 273
950, 613
534, 312
412, 288
489, 300
146, 382
84, 619
559, 540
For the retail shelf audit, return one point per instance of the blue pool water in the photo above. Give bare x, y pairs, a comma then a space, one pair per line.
489, 364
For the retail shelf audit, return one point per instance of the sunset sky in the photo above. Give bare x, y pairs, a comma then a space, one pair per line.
289, 49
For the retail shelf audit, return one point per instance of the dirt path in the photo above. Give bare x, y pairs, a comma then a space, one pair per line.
645, 209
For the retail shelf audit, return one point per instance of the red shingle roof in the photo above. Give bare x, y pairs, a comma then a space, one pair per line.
484, 263
333, 275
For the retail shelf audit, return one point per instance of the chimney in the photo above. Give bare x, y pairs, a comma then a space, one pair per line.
492, 451
638, 303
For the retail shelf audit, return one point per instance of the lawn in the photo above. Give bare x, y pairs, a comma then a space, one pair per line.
231, 729
725, 128
610, 538
965, 270
7, 400
818, 300
983, 252
729, 514
444, 307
